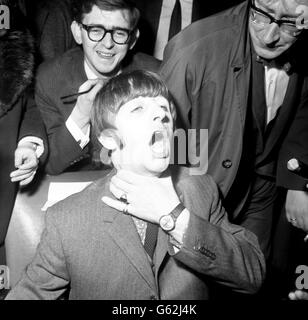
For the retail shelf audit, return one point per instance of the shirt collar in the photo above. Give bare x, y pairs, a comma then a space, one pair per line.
90, 73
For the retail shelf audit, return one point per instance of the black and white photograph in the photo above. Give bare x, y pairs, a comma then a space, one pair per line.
154, 151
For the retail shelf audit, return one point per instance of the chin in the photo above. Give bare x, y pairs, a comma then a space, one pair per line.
270, 54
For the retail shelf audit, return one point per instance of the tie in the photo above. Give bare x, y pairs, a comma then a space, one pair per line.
176, 20
150, 238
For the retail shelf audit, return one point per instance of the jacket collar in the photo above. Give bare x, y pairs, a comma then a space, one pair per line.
242, 48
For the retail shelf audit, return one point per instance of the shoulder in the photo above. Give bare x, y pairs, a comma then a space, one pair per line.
58, 67
80, 209
142, 61
187, 181
205, 33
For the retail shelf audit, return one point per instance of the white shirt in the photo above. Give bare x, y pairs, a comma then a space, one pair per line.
72, 127
276, 83
164, 23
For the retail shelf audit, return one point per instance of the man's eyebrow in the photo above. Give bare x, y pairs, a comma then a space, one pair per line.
109, 28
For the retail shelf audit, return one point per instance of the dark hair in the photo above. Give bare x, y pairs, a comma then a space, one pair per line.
81, 7
121, 89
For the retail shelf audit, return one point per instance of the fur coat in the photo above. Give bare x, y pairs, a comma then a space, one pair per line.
19, 116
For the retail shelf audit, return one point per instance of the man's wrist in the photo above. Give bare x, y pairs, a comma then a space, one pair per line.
81, 119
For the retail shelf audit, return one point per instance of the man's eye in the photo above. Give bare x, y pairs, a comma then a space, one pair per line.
139, 108
96, 30
120, 33
164, 108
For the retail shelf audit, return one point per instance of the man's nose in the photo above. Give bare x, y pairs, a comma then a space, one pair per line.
271, 34
158, 113
107, 41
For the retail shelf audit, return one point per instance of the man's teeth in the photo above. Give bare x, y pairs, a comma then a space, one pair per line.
106, 55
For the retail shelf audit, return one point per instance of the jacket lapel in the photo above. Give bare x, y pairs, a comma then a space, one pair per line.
241, 67
124, 234
284, 113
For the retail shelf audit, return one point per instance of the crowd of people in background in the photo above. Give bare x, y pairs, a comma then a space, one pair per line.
86, 80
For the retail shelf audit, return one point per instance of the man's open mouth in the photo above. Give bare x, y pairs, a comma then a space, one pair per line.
159, 143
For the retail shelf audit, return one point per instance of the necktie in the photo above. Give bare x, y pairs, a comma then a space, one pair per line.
176, 20
150, 238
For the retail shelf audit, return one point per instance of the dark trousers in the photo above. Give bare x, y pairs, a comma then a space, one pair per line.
289, 251
257, 214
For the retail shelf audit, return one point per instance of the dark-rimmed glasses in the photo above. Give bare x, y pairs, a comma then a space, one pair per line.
97, 33
262, 18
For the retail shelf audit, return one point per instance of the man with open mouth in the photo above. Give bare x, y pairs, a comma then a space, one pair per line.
147, 230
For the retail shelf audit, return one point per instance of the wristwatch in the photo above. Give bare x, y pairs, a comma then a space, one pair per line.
167, 221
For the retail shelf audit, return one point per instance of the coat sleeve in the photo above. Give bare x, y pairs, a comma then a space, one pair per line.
294, 146
229, 254
64, 150
46, 277
31, 122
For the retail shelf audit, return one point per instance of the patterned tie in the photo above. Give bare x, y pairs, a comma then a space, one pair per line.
150, 238
176, 20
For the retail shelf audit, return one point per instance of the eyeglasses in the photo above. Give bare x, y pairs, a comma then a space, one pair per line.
97, 33
264, 19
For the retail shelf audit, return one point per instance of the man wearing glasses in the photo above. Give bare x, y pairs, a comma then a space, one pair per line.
241, 74
106, 31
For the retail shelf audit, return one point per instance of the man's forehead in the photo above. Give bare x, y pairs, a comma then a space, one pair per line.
100, 16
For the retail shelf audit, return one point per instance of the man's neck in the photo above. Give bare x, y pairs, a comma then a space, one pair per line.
91, 74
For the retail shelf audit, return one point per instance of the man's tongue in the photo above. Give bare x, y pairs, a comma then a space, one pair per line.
157, 143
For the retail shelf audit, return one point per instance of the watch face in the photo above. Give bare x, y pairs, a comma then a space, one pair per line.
167, 223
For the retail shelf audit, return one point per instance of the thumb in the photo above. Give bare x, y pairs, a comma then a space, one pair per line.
18, 158
88, 85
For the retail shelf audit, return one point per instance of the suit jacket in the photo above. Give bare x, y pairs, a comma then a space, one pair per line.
211, 61
295, 146
61, 77
96, 252
19, 116
150, 15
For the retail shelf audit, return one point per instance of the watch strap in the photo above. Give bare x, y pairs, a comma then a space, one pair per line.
177, 211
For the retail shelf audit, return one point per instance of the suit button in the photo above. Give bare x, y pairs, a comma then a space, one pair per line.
153, 298
227, 164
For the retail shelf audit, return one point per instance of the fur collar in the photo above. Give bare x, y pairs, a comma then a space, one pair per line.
16, 67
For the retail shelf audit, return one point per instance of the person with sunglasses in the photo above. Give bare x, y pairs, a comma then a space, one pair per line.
106, 32
242, 74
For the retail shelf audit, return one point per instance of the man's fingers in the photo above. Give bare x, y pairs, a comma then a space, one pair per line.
122, 184
27, 181
23, 176
116, 204
18, 158
92, 86
30, 164
88, 85
118, 193
20, 172
95, 89
298, 295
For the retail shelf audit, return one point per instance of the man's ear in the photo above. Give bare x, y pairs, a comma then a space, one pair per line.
110, 139
134, 39
76, 31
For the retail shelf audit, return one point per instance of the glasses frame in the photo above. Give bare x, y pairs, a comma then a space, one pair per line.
279, 22
88, 28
